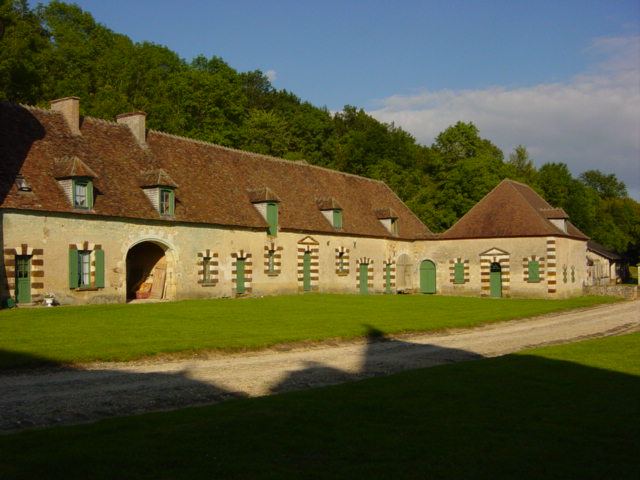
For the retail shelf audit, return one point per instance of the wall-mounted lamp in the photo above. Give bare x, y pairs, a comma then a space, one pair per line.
22, 184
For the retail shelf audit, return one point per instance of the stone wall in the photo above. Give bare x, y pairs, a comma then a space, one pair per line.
628, 292
238, 261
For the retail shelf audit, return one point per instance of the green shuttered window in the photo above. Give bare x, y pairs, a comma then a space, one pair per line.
272, 218
458, 273
167, 202
82, 193
240, 288
80, 268
534, 271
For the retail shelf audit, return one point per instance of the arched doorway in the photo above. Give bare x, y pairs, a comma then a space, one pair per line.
146, 271
403, 272
427, 277
496, 280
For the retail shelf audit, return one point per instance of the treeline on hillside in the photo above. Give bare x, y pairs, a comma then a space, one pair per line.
59, 50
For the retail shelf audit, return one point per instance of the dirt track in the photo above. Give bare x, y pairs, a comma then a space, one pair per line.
63, 396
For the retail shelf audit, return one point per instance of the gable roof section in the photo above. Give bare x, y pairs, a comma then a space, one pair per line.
603, 251
69, 167
211, 182
511, 209
157, 178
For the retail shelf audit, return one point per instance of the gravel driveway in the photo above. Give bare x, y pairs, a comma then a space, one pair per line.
62, 396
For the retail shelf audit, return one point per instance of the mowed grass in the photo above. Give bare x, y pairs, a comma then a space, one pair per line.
68, 335
568, 411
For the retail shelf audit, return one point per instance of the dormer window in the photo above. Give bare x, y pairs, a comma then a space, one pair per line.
159, 188
82, 193
22, 184
167, 202
331, 210
557, 216
266, 202
76, 179
389, 219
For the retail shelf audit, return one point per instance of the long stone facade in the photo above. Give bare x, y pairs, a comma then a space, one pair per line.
104, 212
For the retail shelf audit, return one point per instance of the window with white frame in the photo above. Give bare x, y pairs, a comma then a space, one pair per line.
84, 268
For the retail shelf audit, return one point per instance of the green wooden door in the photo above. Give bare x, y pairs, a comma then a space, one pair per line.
240, 276
306, 272
496, 280
387, 278
364, 278
23, 279
427, 277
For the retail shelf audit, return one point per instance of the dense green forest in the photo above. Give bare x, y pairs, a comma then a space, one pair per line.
57, 50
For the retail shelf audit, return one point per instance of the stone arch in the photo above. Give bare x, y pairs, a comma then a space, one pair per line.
149, 270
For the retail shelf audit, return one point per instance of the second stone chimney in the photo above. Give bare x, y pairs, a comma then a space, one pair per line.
136, 122
70, 109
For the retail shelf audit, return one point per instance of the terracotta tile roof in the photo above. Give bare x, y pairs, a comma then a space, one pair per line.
511, 209
602, 250
212, 182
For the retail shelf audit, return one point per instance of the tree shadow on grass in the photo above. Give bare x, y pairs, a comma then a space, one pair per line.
517, 416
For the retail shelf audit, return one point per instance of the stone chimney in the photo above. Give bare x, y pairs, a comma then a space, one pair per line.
70, 109
136, 122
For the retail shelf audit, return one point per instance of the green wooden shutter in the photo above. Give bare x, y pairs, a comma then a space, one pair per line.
89, 194
534, 271
272, 218
459, 273
172, 202
99, 259
73, 268
337, 218
240, 276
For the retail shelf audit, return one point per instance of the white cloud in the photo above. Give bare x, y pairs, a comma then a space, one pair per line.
271, 75
591, 122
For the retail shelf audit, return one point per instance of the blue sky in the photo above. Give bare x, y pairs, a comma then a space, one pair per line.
561, 77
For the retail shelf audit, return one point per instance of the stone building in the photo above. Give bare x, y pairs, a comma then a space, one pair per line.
604, 266
96, 211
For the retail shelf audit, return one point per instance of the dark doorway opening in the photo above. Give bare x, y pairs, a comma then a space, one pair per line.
146, 271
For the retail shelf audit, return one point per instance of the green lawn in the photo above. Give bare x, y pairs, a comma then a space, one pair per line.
568, 411
67, 335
